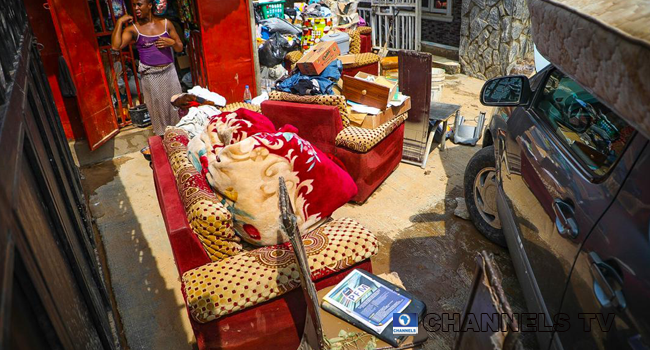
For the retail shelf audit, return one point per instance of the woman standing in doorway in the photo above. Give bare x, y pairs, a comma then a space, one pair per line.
154, 39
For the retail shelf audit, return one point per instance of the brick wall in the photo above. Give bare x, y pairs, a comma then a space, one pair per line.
447, 33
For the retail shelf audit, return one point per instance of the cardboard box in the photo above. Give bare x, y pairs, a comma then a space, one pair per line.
374, 121
314, 61
369, 89
347, 59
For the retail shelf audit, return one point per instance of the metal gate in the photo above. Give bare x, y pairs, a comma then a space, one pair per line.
52, 294
119, 66
397, 22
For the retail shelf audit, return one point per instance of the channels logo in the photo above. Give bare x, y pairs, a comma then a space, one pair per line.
405, 324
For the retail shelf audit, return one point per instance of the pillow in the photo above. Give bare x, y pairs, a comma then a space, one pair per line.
247, 173
209, 219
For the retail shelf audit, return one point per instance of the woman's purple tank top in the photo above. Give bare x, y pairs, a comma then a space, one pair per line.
149, 53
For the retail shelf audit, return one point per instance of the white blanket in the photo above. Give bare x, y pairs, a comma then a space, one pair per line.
196, 119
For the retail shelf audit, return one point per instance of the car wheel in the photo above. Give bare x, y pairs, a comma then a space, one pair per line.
481, 195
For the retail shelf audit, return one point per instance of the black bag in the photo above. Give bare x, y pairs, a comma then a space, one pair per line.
272, 52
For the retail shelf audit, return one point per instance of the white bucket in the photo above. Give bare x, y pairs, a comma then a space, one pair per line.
437, 75
437, 82
436, 92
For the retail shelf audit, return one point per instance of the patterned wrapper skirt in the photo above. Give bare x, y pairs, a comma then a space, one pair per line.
158, 85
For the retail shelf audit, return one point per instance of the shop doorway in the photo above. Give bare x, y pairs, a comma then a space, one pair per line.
74, 38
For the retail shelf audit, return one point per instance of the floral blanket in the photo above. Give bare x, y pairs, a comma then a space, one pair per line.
242, 156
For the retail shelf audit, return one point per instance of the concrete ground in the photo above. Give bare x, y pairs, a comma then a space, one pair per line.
432, 250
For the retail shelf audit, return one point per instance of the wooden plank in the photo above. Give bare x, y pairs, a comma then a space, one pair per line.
415, 81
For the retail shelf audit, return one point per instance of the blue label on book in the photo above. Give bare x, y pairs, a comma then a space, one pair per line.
405, 324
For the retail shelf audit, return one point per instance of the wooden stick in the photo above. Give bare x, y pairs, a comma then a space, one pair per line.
313, 333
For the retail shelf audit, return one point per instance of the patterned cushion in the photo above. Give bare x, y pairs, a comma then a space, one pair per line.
364, 30
355, 42
209, 219
231, 107
363, 140
293, 57
239, 282
363, 59
326, 100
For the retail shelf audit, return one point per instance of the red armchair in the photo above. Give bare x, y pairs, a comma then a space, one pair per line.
321, 125
274, 324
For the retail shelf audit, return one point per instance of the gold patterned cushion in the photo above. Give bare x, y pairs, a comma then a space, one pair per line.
239, 282
231, 107
363, 140
355, 42
207, 216
293, 57
326, 100
364, 30
363, 59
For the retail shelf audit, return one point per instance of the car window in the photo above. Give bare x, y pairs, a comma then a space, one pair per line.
595, 134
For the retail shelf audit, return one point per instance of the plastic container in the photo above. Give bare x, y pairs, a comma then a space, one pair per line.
272, 9
437, 83
341, 39
140, 116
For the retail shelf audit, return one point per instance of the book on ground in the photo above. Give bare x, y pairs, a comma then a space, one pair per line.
369, 302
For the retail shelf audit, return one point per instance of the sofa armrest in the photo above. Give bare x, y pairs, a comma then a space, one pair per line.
363, 140
366, 43
317, 124
188, 250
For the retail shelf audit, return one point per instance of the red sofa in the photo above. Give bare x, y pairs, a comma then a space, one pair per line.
275, 324
321, 124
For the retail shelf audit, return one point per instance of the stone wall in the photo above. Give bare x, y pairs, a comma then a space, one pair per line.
494, 37
446, 33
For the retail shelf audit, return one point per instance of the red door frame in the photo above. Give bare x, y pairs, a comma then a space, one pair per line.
227, 47
76, 35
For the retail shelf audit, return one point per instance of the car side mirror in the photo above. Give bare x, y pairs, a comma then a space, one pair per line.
512, 90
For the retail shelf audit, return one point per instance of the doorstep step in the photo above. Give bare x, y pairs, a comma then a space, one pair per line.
450, 66
130, 139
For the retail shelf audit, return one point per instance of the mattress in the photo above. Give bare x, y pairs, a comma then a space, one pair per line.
604, 45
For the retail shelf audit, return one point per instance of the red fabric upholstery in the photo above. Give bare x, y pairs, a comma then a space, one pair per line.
366, 43
276, 324
316, 124
368, 169
368, 68
188, 250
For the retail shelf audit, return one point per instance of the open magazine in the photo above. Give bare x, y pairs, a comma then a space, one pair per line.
366, 300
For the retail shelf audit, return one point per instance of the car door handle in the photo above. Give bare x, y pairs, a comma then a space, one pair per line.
607, 296
564, 219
